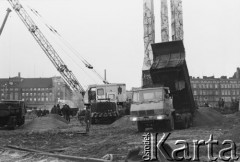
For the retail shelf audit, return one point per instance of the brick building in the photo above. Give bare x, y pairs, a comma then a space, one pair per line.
211, 89
36, 92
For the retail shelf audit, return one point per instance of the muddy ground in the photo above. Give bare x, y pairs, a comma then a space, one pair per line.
117, 138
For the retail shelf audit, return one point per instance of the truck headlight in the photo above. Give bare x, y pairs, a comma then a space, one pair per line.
133, 118
159, 117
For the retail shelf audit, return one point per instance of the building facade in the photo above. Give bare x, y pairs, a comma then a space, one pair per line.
36, 92
210, 89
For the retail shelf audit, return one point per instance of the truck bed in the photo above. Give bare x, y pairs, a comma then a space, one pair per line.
169, 69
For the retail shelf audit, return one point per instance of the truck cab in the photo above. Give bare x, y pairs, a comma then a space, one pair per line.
12, 113
150, 106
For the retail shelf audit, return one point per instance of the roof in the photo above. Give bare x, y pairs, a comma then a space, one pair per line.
36, 83
168, 54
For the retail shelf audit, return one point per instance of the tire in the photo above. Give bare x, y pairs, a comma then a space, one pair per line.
140, 126
93, 121
185, 123
171, 124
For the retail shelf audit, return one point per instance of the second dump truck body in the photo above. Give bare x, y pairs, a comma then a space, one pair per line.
168, 73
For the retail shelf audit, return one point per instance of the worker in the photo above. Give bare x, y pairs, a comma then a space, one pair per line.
68, 112
58, 110
87, 117
63, 111
54, 109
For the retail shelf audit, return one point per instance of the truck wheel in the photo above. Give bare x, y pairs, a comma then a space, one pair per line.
93, 121
170, 124
140, 126
185, 123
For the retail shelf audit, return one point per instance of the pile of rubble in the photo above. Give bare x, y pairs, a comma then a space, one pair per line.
206, 116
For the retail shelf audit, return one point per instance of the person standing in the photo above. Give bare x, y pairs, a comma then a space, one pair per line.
63, 111
87, 118
68, 113
58, 110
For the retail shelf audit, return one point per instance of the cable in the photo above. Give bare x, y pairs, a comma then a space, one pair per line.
67, 44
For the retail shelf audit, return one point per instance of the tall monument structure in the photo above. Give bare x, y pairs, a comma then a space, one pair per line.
149, 30
164, 21
149, 38
177, 20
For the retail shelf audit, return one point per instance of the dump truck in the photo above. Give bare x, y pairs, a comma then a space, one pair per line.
12, 113
169, 98
107, 101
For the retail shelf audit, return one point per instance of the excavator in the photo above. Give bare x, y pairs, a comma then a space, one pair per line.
109, 100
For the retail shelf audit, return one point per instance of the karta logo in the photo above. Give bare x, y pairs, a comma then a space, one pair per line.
154, 149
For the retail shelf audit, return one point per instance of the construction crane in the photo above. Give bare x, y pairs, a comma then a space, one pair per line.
4, 21
67, 74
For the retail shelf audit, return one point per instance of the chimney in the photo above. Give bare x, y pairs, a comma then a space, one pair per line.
19, 75
238, 72
105, 74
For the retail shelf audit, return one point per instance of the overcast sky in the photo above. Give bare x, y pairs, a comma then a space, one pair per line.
109, 35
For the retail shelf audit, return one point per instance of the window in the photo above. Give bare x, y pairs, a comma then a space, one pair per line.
35, 89
16, 89
42, 94
39, 89
216, 92
111, 96
30, 94
194, 86
30, 99
206, 85
35, 99
223, 92
100, 92
204, 92
42, 98
216, 86
46, 99
23, 94
26, 94
210, 85
195, 92
31, 89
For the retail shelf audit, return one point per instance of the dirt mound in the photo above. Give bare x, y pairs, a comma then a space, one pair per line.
205, 116
49, 122
123, 122
58, 117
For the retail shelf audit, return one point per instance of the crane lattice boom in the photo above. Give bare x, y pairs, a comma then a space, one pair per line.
67, 74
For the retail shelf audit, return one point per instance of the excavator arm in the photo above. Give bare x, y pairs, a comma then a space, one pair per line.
67, 74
